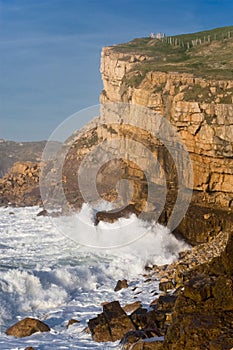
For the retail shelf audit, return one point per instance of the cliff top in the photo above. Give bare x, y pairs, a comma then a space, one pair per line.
208, 54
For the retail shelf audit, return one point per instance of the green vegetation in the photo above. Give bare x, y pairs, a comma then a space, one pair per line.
209, 119
92, 140
208, 54
111, 130
136, 79
227, 99
203, 94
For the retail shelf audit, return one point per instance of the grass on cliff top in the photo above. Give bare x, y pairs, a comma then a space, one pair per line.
208, 54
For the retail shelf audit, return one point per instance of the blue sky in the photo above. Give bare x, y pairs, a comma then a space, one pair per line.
50, 51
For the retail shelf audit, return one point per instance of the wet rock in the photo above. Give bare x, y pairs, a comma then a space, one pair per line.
166, 285
121, 284
138, 318
43, 213
222, 291
86, 330
144, 319
134, 336
129, 308
222, 342
29, 348
203, 311
117, 319
99, 329
166, 302
228, 254
198, 288
72, 321
113, 215
148, 344
111, 325
27, 327
154, 303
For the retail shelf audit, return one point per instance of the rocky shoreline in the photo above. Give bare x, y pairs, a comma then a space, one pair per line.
195, 304
195, 307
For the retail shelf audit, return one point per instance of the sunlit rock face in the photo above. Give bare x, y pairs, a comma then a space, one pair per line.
200, 109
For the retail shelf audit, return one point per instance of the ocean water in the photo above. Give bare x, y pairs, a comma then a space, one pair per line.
47, 275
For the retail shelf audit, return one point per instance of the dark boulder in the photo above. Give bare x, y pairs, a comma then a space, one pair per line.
43, 213
129, 308
113, 215
121, 284
27, 327
134, 336
164, 286
154, 319
111, 324
72, 321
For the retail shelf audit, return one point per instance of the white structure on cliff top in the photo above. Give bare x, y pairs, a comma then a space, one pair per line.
157, 36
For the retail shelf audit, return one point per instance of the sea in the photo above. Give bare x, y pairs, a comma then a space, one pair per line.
46, 274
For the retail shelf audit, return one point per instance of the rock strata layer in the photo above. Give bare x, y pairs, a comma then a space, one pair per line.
198, 108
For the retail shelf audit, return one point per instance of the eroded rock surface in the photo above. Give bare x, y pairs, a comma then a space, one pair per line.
20, 186
111, 325
27, 327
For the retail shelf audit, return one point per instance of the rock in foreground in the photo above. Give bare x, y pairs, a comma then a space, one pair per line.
27, 327
111, 324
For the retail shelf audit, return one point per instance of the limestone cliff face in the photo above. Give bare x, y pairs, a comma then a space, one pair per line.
200, 109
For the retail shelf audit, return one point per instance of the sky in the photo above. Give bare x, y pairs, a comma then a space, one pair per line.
50, 52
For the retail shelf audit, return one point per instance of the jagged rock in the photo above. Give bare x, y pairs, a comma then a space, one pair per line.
166, 285
166, 302
203, 312
113, 215
27, 327
129, 308
134, 336
99, 329
223, 342
198, 230
111, 325
228, 254
72, 321
43, 212
121, 284
148, 345
86, 330
198, 288
144, 319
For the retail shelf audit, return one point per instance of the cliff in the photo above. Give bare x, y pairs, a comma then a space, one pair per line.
200, 107
193, 105
153, 74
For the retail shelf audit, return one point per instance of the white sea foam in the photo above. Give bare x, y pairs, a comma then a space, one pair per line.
45, 274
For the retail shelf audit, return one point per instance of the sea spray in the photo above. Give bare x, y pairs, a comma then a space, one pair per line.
46, 275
